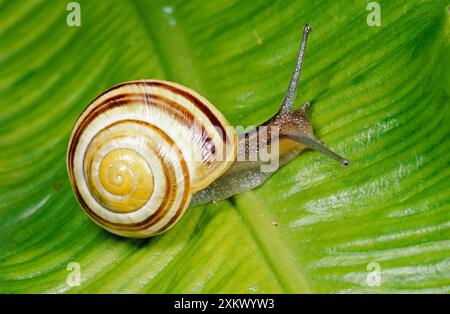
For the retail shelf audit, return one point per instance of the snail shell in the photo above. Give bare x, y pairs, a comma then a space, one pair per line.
141, 149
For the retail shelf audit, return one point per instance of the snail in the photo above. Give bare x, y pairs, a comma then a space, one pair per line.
142, 152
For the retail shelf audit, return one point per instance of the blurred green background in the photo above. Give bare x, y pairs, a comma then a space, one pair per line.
380, 96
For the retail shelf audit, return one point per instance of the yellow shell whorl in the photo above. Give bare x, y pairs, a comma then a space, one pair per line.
141, 149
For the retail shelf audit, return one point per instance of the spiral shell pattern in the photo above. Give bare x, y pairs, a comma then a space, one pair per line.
141, 149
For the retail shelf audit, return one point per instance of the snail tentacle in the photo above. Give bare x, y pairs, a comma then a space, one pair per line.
306, 106
318, 146
291, 93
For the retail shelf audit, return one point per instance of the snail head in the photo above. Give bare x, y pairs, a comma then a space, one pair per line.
295, 123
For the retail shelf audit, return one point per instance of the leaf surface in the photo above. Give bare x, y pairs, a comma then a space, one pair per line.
380, 96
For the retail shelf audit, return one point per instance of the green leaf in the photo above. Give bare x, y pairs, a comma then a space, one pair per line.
380, 96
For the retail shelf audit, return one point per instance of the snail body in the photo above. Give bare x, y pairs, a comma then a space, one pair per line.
144, 151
